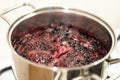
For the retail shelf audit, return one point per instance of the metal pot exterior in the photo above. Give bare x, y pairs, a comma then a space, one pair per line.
26, 70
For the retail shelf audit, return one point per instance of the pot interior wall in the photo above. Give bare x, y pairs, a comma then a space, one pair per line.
87, 24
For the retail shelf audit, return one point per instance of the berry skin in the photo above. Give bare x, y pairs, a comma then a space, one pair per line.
59, 45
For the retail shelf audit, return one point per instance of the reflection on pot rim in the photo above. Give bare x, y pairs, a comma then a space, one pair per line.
66, 10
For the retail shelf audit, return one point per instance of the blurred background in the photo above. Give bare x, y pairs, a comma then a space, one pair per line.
107, 9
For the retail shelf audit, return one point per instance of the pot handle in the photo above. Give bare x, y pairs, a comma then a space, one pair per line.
116, 60
89, 77
86, 77
58, 75
2, 15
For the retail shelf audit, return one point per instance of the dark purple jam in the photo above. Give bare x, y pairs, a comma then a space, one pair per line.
60, 45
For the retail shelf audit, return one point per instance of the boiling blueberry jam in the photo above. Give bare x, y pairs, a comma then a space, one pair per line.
59, 45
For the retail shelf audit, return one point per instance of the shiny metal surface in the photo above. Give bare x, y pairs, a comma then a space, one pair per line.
99, 8
13, 8
33, 71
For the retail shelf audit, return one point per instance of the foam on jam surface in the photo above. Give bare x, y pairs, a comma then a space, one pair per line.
59, 45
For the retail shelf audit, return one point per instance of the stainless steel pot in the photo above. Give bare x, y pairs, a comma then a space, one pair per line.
27, 70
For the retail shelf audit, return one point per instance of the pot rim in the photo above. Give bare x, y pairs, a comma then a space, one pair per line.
66, 10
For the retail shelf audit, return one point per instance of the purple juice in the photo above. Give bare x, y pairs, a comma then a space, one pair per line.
60, 45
